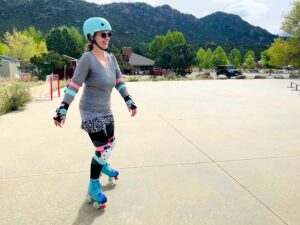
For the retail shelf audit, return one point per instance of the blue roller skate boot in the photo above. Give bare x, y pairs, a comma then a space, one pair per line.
96, 195
111, 173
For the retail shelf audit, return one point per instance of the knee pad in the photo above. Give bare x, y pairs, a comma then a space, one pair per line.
105, 151
112, 142
105, 155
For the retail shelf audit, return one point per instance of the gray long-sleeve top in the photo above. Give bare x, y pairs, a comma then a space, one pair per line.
99, 82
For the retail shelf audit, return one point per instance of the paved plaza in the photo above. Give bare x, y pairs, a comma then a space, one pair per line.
211, 152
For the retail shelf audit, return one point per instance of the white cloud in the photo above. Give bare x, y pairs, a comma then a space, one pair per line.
249, 10
223, 1
264, 13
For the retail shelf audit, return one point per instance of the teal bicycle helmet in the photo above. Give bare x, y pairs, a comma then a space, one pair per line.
95, 24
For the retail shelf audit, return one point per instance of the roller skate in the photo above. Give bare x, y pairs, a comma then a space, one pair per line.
95, 195
111, 173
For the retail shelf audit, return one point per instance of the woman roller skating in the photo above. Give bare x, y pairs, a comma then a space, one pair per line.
100, 73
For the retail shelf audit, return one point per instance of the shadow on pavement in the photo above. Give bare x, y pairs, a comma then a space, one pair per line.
87, 214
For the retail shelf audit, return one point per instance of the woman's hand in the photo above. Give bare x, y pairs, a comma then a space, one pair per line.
62, 121
61, 113
132, 110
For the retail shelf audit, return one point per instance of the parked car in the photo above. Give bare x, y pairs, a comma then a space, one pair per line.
228, 70
156, 72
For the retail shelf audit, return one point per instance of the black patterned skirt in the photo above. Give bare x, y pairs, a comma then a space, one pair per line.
97, 123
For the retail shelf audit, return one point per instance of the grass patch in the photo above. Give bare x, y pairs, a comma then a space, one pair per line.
13, 96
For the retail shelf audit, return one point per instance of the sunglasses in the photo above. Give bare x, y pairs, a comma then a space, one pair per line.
104, 34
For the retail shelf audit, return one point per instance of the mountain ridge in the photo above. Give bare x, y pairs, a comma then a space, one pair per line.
135, 23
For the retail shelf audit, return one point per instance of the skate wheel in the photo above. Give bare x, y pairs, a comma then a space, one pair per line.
89, 199
103, 206
97, 205
116, 178
111, 181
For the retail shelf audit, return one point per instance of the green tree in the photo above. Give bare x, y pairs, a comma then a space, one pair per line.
40, 44
4, 50
61, 41
266, 60
286, 52
165, 59
235, 57
291, 23
249, 62
201, 57
36, 35
294, 51
279, 53
79, 39
183, 58
249, 53
173, 39
47, 62
156, 47
219, 57
172, 52
20, 46
208, 62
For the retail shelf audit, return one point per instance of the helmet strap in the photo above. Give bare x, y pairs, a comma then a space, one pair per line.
95, 42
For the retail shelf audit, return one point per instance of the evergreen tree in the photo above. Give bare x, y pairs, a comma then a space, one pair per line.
63, 41
47, 62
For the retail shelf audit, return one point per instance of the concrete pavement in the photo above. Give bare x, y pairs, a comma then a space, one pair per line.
215, 152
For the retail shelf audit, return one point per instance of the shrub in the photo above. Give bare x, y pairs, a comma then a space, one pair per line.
13, 96
171, 76
132, 79
278, 77
294, 76
241, 77
259, 77
204, 76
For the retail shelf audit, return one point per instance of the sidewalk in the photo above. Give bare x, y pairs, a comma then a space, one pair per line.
206, 152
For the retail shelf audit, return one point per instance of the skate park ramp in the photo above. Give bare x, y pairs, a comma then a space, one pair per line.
206, 152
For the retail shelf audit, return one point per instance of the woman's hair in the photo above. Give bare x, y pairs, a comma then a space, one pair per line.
90, 44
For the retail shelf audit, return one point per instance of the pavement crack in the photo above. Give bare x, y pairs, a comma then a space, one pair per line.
224, 171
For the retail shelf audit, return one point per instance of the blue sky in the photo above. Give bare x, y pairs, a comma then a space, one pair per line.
264, 13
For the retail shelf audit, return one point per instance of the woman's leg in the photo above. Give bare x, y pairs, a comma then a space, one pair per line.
110, 131
100, 141
106, 169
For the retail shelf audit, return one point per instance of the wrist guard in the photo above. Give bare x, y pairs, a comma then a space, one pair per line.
129, 102
61, 112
